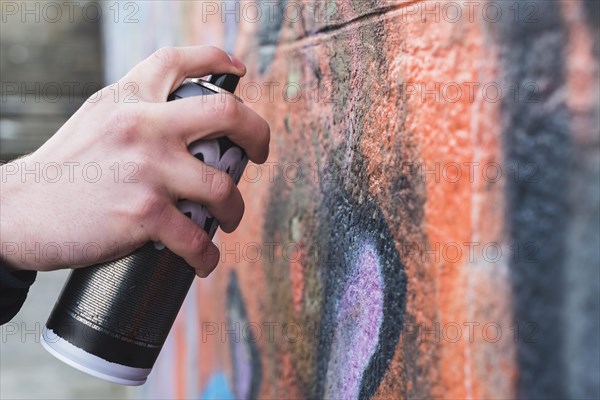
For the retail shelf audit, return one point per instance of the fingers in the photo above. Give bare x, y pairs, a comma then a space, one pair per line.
208, 117
184, 238
204, 116
182, 122
158, 75
193, 180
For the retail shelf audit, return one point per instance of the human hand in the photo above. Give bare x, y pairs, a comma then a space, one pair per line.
108, 181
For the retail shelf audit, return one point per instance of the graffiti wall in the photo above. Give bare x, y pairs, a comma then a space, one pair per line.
427, 222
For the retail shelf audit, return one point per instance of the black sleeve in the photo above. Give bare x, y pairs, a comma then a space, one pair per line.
13, 290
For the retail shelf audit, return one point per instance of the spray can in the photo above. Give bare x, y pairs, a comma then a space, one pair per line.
112, 319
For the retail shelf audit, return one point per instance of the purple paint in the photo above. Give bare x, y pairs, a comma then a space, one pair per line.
359, 314
245, 360
242, 363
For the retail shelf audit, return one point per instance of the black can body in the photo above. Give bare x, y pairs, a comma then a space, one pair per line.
112, 319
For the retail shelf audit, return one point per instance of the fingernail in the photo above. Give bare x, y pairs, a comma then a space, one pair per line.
238, 63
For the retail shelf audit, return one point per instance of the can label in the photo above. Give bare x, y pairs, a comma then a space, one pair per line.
222, 154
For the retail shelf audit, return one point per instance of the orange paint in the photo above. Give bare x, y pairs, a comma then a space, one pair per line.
180, 360
297, 278
429, 209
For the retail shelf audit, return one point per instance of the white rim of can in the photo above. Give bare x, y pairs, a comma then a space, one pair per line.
91, 364
215, 88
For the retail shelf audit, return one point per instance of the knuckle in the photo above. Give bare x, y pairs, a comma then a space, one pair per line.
213, 49
144, 214
214, 53
126, 124
199, 242
167, 57
209, 260
225, 107
222, 187
149, 208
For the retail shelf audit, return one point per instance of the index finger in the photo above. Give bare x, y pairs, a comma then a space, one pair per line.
158, 75
212, 116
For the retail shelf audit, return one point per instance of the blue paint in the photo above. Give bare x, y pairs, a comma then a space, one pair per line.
217, 388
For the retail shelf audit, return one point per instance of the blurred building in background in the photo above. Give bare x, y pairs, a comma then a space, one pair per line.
51, 61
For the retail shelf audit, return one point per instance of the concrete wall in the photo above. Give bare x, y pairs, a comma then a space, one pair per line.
427, 224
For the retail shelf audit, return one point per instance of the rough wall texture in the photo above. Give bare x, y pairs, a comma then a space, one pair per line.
427, 224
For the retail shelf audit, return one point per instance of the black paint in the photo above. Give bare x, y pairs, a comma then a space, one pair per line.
537, 134
592, 15
344, 224
268, 32
236, 314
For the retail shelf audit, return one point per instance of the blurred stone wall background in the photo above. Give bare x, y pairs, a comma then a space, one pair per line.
51, 61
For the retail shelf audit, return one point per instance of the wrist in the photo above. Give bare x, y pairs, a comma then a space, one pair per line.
10, 254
